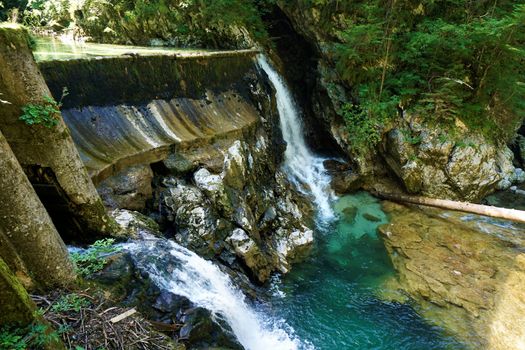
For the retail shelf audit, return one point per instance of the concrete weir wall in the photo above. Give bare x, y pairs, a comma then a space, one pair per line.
124, 111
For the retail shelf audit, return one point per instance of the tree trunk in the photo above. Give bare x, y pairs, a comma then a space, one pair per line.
42, 149
18, 310
28, 228
15, 305
485, 210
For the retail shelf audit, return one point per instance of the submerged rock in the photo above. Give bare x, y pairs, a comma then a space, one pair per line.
464, 274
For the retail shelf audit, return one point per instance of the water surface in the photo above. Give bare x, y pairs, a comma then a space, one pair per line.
331, 300
51, 49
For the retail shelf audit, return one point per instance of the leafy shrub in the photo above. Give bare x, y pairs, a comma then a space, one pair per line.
91, 260
46, 113
70, 302
364, 130
34, 336
411, 139
205, 23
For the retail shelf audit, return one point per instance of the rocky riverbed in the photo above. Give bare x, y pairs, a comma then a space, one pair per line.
462, 272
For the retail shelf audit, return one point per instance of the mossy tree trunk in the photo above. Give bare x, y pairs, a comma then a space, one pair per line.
38, 147
28, 229
17, 309
15, 305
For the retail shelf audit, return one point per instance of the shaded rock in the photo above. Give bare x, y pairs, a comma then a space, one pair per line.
169, 303
129, 189
462, 274
117, 275
269, 216
249, 251
346, 182
200, 331
334, 166
520, 146
178, 164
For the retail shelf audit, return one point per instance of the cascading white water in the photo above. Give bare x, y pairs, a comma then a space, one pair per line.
184, 273
304, 169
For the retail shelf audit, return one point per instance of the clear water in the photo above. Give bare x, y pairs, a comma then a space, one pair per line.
51, 49
331, 300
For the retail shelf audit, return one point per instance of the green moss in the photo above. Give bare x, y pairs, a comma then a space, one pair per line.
15, 305
15, 34
143, 78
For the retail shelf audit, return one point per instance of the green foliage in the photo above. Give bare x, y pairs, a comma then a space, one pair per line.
70, 302
442, 60
92, 260
46, 113
365, 132
411, 139
34, 336
205, 23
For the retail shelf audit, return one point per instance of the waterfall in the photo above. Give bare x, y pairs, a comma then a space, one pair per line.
304, 169
182, 272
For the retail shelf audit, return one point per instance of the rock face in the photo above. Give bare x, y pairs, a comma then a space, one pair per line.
463, 275
428, 163
424, 162
244, 211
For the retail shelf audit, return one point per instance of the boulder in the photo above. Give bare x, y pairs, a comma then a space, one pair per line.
193, 216
129, 189
334, 166
346, 182
135, 225
213, 187
291, 247
248, 250
432, 165
178, 164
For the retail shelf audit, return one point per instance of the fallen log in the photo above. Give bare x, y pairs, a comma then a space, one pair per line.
485, 210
